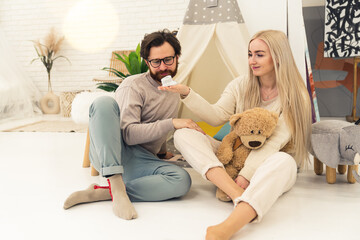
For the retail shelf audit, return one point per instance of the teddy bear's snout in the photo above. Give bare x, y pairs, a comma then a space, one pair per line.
254, 144
253, 141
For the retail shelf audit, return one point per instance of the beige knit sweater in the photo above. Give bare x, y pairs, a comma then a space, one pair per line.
146, 113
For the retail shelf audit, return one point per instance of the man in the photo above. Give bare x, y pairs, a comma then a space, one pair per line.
126, 135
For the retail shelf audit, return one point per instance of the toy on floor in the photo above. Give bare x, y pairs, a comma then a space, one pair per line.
336, 144
250, 131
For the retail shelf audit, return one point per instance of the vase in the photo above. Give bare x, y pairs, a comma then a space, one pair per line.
50, 103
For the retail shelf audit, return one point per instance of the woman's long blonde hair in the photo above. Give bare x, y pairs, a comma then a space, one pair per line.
294, 97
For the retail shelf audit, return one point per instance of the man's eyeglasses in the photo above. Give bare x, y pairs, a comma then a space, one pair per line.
157, 62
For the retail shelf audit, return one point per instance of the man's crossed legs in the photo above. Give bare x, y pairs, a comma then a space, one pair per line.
134, 174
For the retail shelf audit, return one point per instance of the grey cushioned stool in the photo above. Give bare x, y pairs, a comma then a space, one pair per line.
336, 144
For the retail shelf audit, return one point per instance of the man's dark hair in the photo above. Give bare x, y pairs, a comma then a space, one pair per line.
157, 39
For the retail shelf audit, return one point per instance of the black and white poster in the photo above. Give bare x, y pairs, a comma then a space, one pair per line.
342, 28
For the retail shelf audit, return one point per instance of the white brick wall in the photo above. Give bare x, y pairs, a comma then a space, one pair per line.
25, 20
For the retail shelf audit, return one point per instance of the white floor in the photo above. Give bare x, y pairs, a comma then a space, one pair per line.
39, 170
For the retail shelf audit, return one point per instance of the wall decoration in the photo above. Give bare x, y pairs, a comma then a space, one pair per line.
342, 28
333, 77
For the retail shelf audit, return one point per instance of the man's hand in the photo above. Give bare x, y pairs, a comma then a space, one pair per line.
178, 88
186, 123
242, 182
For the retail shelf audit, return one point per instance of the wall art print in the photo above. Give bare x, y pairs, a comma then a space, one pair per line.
333, 77
342, 28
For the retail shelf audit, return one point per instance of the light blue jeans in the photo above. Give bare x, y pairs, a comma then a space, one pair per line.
147, 178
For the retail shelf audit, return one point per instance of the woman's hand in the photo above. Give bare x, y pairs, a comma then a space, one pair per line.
242, 182
178, 88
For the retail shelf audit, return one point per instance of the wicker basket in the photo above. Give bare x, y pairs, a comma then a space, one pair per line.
117, 64
66, 99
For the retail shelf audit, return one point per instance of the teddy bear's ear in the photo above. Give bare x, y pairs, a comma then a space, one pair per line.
234, 118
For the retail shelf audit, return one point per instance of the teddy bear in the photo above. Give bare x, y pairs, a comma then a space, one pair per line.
250, 129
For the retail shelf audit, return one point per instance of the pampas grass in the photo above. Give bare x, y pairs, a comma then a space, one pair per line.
47, 52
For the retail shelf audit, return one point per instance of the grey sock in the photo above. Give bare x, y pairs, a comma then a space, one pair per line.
122, 205
92, 194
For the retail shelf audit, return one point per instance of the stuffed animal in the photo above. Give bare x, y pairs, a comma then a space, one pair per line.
250, 129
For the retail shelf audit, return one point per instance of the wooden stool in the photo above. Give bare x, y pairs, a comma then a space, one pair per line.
331, 172
86, 161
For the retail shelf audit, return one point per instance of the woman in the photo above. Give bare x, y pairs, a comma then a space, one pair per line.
273, 83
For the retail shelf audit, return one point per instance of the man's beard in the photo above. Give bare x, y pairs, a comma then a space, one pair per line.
157, 76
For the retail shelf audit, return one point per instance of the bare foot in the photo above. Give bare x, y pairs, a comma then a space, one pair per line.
222, 196
217, 232
242, 215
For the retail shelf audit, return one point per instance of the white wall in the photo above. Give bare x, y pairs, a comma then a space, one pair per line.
25, 20
313, 3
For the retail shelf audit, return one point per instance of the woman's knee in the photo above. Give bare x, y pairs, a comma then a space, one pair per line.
182, 136
286, 161
285, 166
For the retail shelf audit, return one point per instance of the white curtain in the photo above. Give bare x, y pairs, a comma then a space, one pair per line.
19, 97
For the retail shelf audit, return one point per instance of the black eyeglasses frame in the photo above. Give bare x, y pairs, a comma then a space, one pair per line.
162, 60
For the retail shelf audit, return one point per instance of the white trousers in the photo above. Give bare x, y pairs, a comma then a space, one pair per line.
275, 176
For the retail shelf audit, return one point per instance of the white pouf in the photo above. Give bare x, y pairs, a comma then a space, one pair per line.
81, 104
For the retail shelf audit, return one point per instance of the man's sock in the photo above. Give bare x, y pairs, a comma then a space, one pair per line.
93, 193
122, 205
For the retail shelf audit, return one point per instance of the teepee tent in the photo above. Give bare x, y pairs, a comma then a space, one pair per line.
214, 43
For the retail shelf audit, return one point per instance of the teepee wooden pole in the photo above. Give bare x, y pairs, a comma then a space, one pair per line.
353, 117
